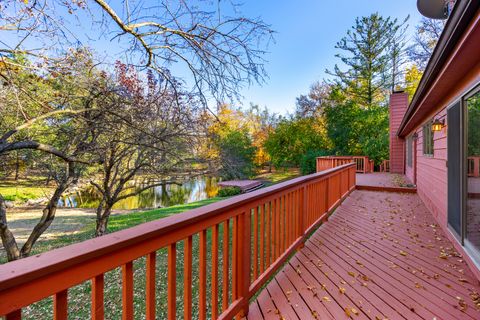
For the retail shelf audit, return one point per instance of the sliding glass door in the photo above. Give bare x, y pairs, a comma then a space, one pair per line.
472, 172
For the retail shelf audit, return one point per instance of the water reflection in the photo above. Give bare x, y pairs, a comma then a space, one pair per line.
161, 196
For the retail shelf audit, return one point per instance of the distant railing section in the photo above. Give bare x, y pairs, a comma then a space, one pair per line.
473, 166
362, 164
242, 242
385, 166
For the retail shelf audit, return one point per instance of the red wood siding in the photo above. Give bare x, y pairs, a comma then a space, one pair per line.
432, 173
398, 107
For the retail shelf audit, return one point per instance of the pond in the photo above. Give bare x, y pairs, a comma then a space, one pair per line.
196, 189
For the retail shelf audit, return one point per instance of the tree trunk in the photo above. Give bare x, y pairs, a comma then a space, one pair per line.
8, 240
48, 214
102, 221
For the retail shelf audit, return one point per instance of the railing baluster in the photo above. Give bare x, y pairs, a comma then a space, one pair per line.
202, 299
14, 315
60, 305
150, 285
127, 291
98, 284
273, 231
225, 265
255, 242
268, 234
283, 225
301, 212
287, 220
187, 279
262, 238
244, 253
215, 271
172, 281
277, 228
235, 258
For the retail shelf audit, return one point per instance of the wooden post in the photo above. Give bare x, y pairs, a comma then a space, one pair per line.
302, 211
244, 261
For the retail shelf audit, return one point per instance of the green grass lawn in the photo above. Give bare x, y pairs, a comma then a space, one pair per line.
277, 176
23, 190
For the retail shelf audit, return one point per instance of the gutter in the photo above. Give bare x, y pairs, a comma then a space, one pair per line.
462, 14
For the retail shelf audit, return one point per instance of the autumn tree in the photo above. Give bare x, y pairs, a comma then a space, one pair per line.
146, 134
50, 118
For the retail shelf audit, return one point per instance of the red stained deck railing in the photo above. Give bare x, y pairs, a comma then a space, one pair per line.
473, 166
259, 231
385, 166
363, 164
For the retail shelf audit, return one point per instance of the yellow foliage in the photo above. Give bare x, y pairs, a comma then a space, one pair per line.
412, 79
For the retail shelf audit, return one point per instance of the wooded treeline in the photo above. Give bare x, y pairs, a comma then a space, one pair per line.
69, 116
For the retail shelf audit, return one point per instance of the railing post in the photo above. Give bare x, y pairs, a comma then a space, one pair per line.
302, 211
244, 261
476, 167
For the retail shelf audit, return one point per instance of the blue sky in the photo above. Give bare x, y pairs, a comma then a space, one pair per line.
307, 32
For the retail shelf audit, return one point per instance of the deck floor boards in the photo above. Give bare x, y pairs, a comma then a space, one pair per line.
379, 256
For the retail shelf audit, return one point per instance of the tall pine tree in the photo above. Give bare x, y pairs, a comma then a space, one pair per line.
366, 53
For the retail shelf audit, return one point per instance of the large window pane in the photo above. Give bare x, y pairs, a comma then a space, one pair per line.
473, 170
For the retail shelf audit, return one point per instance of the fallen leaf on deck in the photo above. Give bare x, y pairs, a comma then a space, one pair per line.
347, 312
327, 299
463, 305
403, 253
463, 280
351, 273
341, 289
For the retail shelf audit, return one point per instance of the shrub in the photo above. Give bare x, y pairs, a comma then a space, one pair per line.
308, 162
229, 191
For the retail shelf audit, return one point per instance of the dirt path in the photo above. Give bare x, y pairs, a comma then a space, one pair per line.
67, 221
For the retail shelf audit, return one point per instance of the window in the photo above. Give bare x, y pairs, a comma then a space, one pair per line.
428, 139
409, 151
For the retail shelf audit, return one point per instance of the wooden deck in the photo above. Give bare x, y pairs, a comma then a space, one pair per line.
380, 256
383, 181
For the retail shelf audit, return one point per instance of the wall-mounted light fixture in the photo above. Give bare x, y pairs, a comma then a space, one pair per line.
438, 125
415, 136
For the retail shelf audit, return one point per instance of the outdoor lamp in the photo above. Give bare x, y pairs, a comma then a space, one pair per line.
437, 125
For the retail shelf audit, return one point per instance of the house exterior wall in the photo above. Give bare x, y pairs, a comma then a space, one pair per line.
398, 107
432, 182
432, 171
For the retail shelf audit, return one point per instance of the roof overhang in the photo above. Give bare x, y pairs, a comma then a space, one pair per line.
457, 51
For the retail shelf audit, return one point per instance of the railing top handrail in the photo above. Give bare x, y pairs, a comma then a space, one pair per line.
342, 157
34, 267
